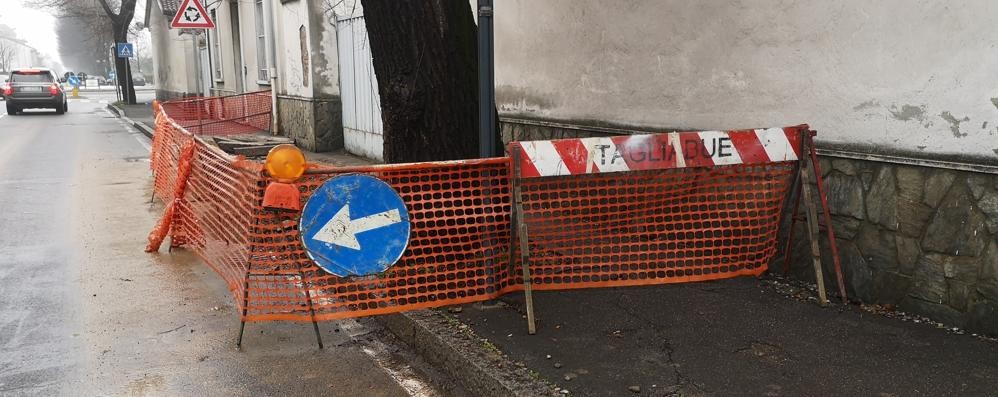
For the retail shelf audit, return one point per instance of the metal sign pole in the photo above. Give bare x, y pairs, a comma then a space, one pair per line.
129, 98
117, 86
486, 81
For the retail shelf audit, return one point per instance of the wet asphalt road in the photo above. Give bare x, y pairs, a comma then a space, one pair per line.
84, 311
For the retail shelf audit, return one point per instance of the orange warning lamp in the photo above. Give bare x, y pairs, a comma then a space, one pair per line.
285, 163
155, 106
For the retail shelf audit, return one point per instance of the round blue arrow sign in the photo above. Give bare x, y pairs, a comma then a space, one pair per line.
355, 225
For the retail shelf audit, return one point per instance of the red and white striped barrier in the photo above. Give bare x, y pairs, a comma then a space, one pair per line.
659, 151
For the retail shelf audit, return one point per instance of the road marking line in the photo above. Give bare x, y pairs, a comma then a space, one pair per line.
378, 351
142, 141
139, 137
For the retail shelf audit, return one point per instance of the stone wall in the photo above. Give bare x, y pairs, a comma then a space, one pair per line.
516, 129
314, 123
166, 95
221, 92
923, 239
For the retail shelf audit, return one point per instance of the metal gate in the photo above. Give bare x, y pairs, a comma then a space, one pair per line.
362, 127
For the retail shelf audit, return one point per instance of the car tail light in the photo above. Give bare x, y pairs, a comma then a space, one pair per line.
8, 90
54, 89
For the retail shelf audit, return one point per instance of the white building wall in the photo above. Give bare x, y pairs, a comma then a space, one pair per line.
24, 56
249, 41
363, 131
325, 59
173, 57
892, 74
293, 79
228, 84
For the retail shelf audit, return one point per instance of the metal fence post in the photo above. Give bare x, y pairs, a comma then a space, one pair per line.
521, 225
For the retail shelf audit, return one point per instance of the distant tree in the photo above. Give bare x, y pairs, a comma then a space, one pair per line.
6, 56
426, 61
7, 50
7, 31
117, 21
84, 43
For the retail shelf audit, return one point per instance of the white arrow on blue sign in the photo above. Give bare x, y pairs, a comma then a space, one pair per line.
355, 225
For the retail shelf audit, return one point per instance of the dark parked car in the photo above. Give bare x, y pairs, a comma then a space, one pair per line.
33, 89
138, 81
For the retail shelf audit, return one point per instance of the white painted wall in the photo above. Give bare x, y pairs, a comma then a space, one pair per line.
229, 52
24, 56
290, 18
898, 74
173, 56
325, 59
363, 131
247, 15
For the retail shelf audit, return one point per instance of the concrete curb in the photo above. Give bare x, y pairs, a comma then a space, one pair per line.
455, 350
142, 127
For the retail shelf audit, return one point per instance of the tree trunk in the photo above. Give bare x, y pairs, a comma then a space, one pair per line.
121, 69
426, 61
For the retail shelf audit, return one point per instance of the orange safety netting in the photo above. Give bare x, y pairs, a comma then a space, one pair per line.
224, 115
458, 250
596, 230
653, 227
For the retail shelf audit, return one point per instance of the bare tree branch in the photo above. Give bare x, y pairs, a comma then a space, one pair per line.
107, 9
6, 56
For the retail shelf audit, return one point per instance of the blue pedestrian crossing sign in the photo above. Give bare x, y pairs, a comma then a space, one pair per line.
125, 50
355, 225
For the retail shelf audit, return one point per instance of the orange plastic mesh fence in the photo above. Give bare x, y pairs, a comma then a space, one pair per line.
226, 115
653, 227
596, 230
458, 251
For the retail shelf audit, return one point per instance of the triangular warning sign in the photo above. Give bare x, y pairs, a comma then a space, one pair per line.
191, 14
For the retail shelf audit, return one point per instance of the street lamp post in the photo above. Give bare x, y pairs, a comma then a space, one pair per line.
486, 81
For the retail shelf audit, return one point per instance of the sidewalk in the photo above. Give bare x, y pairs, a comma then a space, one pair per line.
138, 115
141, 117
734, 337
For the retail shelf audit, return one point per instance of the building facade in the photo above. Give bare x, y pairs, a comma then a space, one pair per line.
287, 47
15, 53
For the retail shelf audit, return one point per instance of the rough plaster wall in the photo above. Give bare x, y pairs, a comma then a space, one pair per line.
888, 73
290, 17
223, 32
325, 58
173, 65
